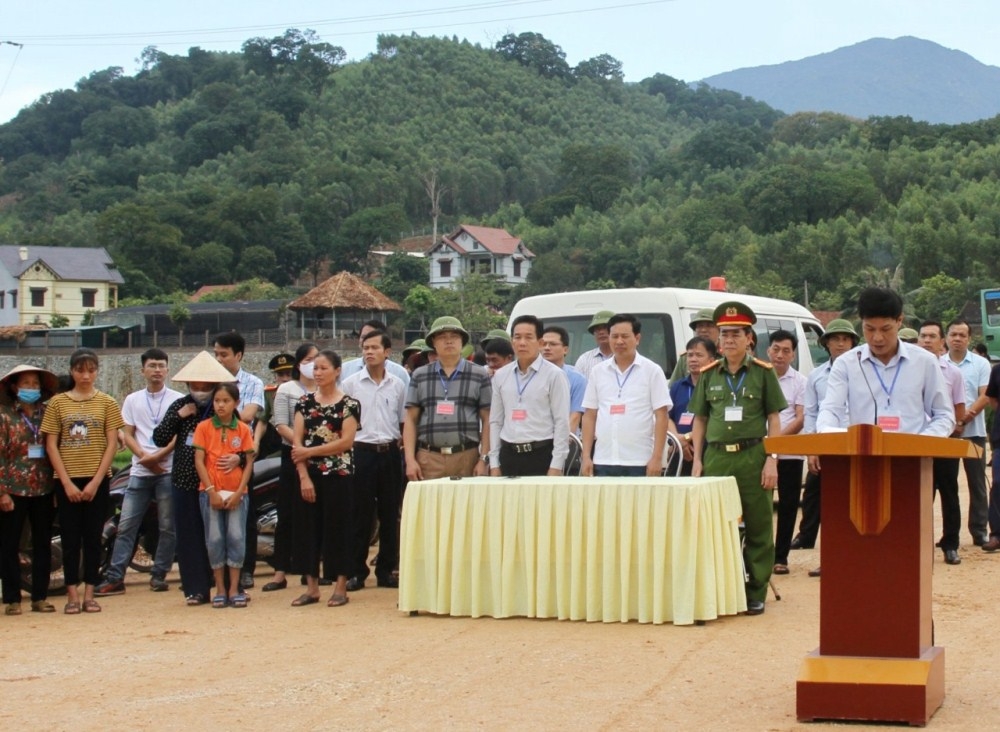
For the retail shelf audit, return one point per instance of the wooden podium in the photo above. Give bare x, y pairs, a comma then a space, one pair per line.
876, 659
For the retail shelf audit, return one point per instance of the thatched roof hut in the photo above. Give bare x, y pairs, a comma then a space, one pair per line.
345, 297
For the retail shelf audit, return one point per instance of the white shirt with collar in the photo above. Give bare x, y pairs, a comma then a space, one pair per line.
357, 365
530, 407
793, 386
862, 384
625, 402
383, 406
976, 374
815, 391
251, 390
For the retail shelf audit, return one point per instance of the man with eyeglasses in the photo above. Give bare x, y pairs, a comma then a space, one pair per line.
149, 479
737, 402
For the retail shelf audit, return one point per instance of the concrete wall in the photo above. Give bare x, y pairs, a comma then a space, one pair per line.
119, 372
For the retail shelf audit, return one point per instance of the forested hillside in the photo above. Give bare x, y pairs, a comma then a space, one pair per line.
210, 167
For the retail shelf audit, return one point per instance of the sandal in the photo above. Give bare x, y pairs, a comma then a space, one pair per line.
193, 600
780, 569
302, 600
72, 608
239, 600
42, 606
337, 600
219, 601
91, 606
13, 608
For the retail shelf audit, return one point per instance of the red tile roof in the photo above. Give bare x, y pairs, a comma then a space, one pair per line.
497, 241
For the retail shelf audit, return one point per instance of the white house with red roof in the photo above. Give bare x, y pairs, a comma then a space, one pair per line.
479, 249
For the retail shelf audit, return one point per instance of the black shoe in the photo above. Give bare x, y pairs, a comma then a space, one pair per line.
246, 580
324, 581
158, 584
951, 557
272, 586
980, 540
755, 607
389, 581
354, 584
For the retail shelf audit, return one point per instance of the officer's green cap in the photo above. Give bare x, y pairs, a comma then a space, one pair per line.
601, 317
415, 347
733, 313
908, 335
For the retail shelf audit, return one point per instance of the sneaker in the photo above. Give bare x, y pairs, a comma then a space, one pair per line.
158, 584
107, 587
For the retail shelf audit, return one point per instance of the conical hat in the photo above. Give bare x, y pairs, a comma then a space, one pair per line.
49, 380
204, 367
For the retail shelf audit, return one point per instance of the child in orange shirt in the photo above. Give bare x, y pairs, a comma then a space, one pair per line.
218, 443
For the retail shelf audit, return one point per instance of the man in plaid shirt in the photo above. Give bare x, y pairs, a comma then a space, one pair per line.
447, 427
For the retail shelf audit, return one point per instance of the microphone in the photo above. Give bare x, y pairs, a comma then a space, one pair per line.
865, 377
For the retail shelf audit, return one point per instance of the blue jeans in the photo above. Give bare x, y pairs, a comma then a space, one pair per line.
628, 471
141, 490
225, 533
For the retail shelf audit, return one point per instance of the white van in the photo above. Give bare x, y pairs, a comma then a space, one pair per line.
666, 313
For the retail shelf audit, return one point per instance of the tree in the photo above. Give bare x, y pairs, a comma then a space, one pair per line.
601, 68
940, 298
536, 52
363, 230
256, 261
401, 273
420, 302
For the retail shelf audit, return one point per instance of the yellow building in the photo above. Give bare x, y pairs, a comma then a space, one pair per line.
39, 284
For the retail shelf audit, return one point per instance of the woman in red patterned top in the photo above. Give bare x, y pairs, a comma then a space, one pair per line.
26, 484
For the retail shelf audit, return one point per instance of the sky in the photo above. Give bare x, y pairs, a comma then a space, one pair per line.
63, 42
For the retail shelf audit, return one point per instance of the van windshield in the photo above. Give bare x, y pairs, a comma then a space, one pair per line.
656, 344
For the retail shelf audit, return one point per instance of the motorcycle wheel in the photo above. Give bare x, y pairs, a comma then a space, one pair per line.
57, 580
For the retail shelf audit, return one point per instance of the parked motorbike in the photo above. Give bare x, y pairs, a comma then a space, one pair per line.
263, 483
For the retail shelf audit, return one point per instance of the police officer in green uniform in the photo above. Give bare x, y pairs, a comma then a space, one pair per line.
736, 403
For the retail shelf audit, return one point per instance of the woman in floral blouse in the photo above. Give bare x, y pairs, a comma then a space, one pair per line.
325, 424
26, 484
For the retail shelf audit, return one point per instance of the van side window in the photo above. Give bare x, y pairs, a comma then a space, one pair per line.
819, 354
763, 330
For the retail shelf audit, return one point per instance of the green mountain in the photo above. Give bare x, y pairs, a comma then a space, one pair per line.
207, 168
904, 76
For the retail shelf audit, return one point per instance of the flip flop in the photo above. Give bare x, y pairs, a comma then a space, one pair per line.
91, 606
304, 600
239, 600
337, 600
780, 569
219, 601
193, 600
72, 608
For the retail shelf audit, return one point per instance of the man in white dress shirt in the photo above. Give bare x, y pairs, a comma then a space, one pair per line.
529, 411
625, 408
599, 329
378, 471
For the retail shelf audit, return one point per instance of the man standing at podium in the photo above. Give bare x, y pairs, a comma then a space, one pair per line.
897, 386
738, 401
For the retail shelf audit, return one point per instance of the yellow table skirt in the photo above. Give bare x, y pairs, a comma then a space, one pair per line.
656, 550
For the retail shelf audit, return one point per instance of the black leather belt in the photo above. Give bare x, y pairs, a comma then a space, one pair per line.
375, 446
523, 447
449, 449
736, 446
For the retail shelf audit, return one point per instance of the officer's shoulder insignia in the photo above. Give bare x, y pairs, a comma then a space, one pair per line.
709, 366
765, 364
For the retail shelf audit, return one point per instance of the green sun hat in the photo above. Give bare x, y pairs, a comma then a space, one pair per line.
445, 324
495, 333
705, 315
601, 317
838, 325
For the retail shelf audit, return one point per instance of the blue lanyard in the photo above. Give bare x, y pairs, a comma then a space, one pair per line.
891, 389
31, 426
517, 381
734, 389
444, 384
621, 384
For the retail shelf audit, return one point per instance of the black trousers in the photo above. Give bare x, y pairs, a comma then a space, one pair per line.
946, 485
378, 486
515, 464
322, 530
789, 493
81, 525
192, 554
809, 525
38, 511
288, 486
250, 555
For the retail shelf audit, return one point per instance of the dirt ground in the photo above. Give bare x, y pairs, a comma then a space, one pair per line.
149, 662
